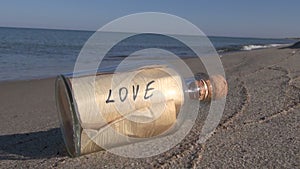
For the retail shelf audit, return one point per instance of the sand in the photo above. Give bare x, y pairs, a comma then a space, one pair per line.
259, 128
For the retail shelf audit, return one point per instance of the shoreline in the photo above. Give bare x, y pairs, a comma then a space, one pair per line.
221, 54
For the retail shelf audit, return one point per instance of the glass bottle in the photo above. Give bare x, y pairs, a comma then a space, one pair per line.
142, 103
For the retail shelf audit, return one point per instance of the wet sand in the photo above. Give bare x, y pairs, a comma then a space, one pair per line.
259, 128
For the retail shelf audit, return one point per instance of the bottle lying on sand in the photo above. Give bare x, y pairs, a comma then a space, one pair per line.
95, 110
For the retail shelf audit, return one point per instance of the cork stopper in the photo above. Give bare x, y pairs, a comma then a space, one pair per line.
211, 89
219, 87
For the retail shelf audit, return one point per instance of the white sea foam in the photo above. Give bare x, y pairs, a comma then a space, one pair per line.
252, 47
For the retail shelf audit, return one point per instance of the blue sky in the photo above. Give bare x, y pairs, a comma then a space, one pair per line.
255, 18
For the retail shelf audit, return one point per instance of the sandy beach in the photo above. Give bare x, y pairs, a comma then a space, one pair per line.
259, 128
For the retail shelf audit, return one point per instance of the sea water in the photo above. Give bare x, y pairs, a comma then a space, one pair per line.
40, 53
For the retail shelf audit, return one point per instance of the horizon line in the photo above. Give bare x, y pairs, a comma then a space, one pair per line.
85, 30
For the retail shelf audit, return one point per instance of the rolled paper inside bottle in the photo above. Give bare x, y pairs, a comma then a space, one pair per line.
115, 95
98, 110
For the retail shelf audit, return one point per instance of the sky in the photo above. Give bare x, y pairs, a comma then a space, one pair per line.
255, 18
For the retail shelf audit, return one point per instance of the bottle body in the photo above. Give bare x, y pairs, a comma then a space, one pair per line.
110, 110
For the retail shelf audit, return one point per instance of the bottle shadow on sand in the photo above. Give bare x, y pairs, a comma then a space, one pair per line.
35, 145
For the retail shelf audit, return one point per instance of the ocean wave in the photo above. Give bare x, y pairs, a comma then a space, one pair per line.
253, 47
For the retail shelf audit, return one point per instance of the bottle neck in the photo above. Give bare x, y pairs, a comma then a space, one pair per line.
200, 90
